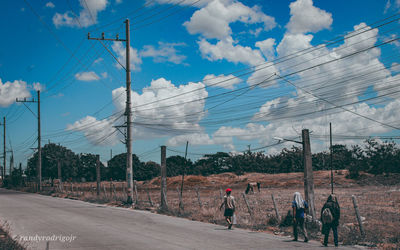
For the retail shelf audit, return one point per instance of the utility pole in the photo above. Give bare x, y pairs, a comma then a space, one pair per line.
128, 113
164, 204
308, 172
330, 139
39, 163
3, 171
183, 175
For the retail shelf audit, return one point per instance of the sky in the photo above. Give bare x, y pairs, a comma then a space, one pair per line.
222, 75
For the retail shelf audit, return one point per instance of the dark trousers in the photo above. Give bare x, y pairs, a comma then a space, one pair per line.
327, 229
299, 222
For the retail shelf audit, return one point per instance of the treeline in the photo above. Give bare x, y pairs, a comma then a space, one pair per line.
373, 157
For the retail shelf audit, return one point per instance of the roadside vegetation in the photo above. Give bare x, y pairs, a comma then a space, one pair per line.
6, 242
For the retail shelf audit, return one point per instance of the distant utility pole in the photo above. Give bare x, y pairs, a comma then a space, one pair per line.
39, 164
128, 113
3, 171
330, 139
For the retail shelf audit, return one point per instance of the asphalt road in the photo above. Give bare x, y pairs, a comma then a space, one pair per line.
97, 227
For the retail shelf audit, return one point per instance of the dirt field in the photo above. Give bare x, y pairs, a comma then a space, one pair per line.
378, 200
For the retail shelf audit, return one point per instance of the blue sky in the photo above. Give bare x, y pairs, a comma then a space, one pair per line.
221, 74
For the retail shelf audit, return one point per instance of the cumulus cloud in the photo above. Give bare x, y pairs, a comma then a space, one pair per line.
166, 52
97, 132
9, 91
226, 49
213, 20
305, 17
222, 81
87, 16
162, 109
120, 50
267, 48
50, 5
87, 76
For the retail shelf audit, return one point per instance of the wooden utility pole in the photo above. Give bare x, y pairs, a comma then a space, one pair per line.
128, 112
164, 205
39, 163
308, 172
330, 139
98, 174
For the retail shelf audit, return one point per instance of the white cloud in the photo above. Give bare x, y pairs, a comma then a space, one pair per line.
120, 50
267, 48
87, 76
213, 20
226, 49
87, 16
166, 52
104, 74
152, 116
222, 81
9, 91
97, 132
100, 59
50, 5
307, 18
38, 87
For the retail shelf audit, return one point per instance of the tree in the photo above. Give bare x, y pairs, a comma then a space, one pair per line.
51, 154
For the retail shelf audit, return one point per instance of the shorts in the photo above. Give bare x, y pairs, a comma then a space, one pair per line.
228, 212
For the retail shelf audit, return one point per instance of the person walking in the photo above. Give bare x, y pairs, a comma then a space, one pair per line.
229, 204
299, 205
330, 215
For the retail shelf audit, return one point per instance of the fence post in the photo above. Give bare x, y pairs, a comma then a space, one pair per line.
115, 192
358, 215
105, 191
247, 204
276, 208
198, 197
148, 195
180, 199
220, 194
136, 192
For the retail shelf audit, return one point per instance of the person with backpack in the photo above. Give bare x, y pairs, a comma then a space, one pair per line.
330, 215
299, 205
229, 203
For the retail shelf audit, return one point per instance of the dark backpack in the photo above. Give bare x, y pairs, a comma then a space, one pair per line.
327, 216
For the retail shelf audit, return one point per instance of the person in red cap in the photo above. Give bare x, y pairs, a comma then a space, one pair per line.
229, 203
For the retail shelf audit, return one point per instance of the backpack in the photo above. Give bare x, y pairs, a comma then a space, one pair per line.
327, 216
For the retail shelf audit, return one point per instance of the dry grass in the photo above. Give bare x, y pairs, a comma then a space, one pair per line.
6, 242
378, 204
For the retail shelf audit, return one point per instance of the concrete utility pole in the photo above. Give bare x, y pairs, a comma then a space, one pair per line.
128, 113
3, 170
308, 172
164, 205
98, 180
39, 163
330, 139
183, 177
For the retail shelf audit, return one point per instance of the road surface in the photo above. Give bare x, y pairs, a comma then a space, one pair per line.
71, 224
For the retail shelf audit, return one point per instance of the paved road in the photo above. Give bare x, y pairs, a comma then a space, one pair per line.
101, 227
